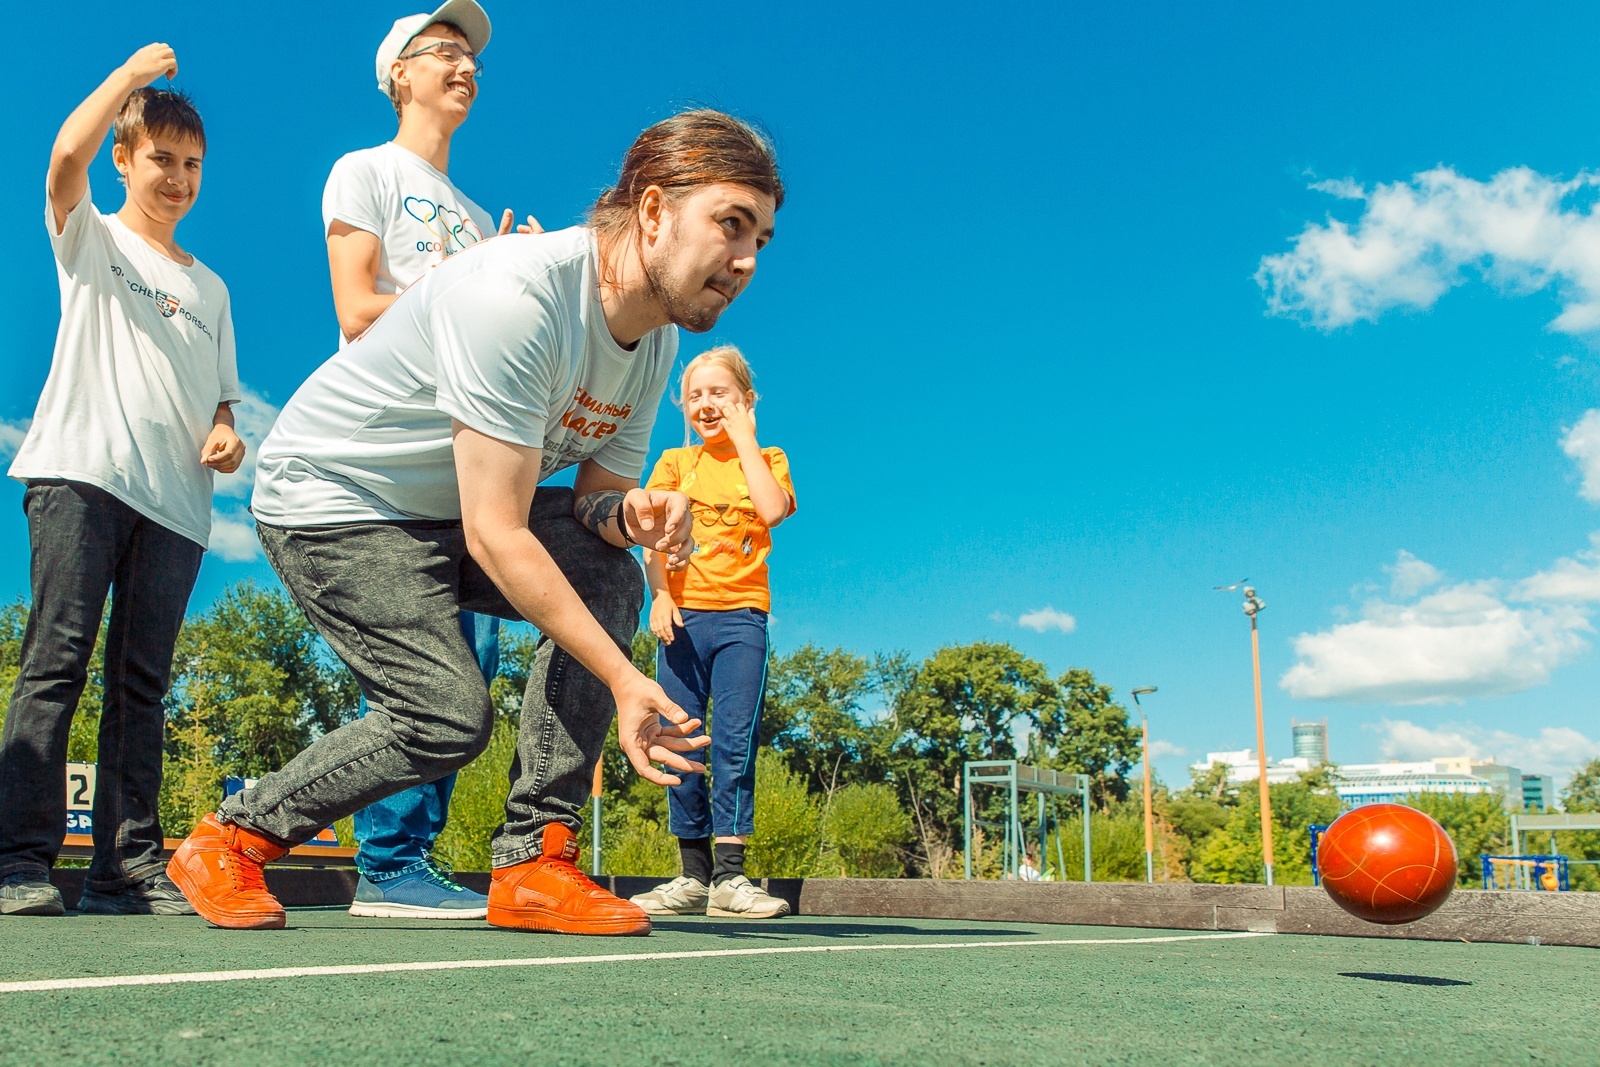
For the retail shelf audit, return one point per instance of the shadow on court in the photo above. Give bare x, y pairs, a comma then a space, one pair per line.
1402, 979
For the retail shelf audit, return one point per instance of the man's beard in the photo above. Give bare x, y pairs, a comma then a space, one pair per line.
681, 311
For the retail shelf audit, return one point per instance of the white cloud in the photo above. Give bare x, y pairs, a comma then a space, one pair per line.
1410, 575
1048, 618
1459, 642
1573, 579
233, 537
253, 417
1415, 240
1556, 750
1159, 748
1582, 443
12, 431
1343, 188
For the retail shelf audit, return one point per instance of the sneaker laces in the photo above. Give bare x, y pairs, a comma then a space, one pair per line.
439, 871
573, 873
248, 876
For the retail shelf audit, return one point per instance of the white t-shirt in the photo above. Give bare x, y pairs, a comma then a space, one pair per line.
414, 210
143, 356
510, 340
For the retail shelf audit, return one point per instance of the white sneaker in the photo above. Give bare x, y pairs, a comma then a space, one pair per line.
740, 898
681, 896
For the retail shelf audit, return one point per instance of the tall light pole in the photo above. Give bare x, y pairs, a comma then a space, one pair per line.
1149, 819
1252, 607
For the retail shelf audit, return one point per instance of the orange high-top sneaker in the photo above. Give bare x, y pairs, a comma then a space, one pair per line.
549, 893
219, 868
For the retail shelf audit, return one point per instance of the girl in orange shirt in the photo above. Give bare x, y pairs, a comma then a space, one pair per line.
711, 619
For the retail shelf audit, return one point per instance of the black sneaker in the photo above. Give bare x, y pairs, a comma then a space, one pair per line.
156, 895
28, 894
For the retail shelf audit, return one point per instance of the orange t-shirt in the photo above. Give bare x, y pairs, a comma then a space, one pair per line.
729, 566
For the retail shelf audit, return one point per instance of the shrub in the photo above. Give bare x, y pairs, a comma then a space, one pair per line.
864, 832
633, 832
478, 804
788, 832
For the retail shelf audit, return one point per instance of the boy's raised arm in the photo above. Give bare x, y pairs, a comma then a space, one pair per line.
86, 128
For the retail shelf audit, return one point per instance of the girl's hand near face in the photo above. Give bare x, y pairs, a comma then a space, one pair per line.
664, 617
739, 423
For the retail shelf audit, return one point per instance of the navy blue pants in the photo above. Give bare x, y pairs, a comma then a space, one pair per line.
394, 835
720, 656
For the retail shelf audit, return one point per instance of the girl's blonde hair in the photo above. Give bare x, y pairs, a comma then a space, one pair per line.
729, 358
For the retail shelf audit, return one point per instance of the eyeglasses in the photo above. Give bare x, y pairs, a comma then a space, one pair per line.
452, 54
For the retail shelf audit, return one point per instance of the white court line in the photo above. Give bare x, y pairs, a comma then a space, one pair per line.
183, 977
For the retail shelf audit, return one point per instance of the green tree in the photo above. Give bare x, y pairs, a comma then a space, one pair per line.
1233, 853
962, 704
1583, 792
191, 778
814, 715
517, 649
83, 737
269, 685
1583, 795
1085, 731
1476, 822
645, 646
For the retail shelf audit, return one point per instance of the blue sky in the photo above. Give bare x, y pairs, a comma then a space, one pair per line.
1021, 332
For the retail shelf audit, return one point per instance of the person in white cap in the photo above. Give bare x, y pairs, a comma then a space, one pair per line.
389, 214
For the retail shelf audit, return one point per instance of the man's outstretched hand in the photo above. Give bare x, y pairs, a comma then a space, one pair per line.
659, 520
641, 705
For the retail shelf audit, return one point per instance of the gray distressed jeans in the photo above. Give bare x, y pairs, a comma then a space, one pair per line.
385, 596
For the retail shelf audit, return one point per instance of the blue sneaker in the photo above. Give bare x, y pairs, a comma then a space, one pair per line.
427, 893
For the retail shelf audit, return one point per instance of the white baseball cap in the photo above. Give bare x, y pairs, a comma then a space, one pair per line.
466, 15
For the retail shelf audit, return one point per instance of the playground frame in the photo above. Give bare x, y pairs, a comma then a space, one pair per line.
1016, 778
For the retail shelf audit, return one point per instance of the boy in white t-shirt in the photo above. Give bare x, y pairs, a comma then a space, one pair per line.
134, 419
390, 214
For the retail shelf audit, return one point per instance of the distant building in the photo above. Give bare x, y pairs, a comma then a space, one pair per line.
1244, 767
1538, 792
1508, 780
1310, 740
1392, 782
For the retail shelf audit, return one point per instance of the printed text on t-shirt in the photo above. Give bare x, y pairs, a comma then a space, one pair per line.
165, 302
595, 428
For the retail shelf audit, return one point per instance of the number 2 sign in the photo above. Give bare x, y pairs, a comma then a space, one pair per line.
80, 798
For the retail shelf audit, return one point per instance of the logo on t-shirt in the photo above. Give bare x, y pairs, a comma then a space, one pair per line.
453, 230
165, 302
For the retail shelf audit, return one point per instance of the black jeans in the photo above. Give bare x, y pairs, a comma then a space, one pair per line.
87, 543
385, 596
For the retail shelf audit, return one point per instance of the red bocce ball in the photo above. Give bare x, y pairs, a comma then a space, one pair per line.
1387, 863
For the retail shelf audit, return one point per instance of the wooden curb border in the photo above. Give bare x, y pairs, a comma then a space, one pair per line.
1469, 915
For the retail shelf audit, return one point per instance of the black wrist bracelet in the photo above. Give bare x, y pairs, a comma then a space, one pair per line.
622, 525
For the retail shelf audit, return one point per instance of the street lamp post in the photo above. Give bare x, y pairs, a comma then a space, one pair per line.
1252, 607
1149, 819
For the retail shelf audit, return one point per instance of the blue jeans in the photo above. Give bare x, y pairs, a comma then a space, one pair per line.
720, 656
394, 833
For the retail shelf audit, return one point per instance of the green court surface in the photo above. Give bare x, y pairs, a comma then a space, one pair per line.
798, 990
